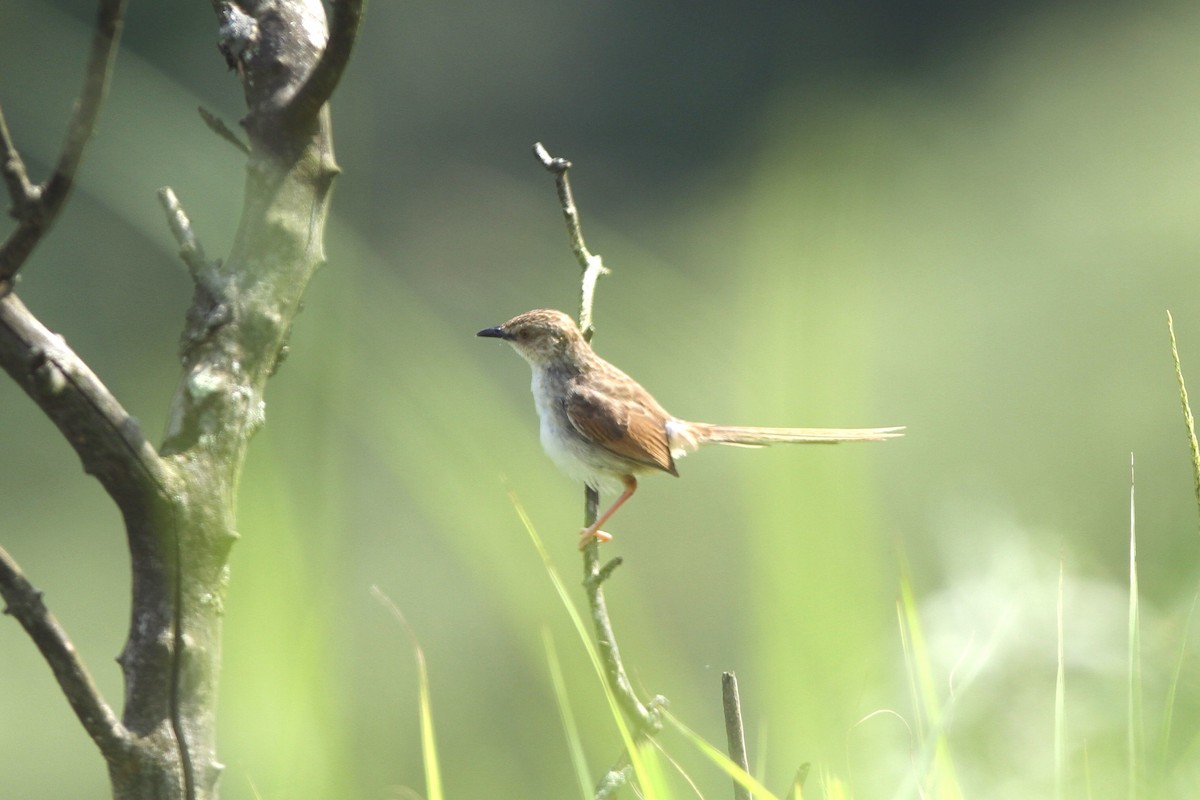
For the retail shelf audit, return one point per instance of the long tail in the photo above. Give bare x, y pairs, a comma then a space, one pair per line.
736, 434
687, 436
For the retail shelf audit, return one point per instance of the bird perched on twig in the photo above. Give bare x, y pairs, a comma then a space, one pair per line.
601, 427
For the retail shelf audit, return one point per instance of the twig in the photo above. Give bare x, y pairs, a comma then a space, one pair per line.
320, 83
24, 603
36, 207
20, 190
591, 264
645, 716
218, 126
107, 439
190, 249
734, 731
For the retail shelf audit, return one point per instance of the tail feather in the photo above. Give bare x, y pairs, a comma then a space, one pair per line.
686, 437
736, 434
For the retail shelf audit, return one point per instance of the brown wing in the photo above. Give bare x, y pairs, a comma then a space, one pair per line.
622, 426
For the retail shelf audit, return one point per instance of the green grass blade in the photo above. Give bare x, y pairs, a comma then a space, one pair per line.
833, 788
1188, 420
1060, 700
1087, 773
1169, 710
654, 770
942, 778
1134, 731
570, 729
914, 696
433, 773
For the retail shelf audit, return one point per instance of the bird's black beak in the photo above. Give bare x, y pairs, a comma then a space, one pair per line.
497, 332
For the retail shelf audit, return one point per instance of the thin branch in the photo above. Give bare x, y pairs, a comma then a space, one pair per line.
20, 189
24, 604
319, 85
591, 264
190, 249
37, 206
218, 126
735, 733
107, 439
645, 716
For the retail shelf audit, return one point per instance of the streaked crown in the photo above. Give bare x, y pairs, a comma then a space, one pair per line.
542, 336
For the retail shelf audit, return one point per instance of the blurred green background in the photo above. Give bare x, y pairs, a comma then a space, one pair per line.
966, 218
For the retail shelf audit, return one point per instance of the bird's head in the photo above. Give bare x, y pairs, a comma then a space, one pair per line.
543, 337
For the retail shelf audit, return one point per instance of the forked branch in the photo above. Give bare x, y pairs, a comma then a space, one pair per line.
36, 206
106, 438
177, 501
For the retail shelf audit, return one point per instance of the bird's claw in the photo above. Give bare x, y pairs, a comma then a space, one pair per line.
587, 534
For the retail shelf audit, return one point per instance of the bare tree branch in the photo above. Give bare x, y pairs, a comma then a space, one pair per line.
178, 503
24, 603
36, 207
107, 439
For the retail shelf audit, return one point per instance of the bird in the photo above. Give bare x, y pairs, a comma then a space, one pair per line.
602, 428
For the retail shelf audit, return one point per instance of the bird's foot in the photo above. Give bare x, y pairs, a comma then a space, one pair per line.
587, 534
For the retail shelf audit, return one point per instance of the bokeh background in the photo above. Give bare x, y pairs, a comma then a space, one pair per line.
966, 218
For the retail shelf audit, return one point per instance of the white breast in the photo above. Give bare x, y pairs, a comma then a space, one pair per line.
564, 445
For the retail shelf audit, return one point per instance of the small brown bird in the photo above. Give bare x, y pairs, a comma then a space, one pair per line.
601, 427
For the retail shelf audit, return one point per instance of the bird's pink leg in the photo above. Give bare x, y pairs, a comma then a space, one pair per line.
593, 530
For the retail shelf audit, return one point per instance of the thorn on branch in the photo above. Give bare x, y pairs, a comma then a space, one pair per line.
46, 374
